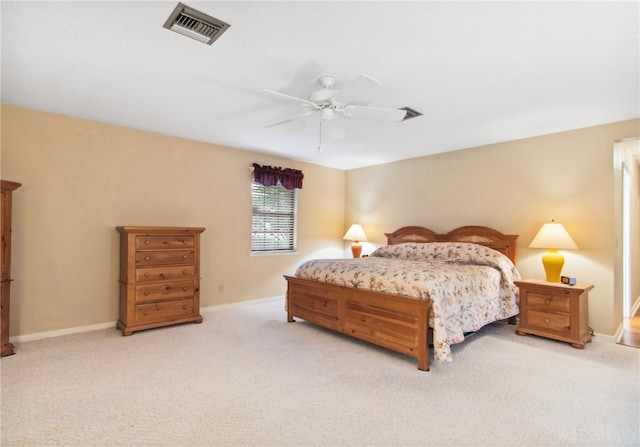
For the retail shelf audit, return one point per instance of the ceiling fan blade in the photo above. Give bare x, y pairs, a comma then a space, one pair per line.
291, 118
356, 89
375, 113
290, 98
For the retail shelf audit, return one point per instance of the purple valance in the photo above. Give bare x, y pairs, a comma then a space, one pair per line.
269, 176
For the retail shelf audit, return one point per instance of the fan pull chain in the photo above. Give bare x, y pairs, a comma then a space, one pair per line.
320, 140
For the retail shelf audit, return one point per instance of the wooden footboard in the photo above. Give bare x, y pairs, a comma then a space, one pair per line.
396, 322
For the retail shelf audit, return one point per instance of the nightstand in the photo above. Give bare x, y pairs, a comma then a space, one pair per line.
555, 310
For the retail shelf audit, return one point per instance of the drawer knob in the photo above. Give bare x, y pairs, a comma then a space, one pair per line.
184, 257
547, 301
184, 307
147, 241
146, 274
184, 272
146, 258
184, 241
546, 320
146, 312
184, 289
146, 292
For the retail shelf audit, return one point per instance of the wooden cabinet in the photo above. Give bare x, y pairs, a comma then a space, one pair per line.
5, 288
555, 310
159, 277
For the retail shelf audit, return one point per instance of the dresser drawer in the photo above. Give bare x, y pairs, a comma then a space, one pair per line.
162, 242
145, 258
559, 323
164, 291
164, 273
558, 303
163, 311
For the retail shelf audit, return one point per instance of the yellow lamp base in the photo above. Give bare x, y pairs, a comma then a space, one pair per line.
552, 262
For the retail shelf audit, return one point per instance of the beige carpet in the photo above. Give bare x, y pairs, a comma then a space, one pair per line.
246, 377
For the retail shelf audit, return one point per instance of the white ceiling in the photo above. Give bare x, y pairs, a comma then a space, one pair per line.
480, 72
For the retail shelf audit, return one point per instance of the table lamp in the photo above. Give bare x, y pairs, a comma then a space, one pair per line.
553, 237
356, 234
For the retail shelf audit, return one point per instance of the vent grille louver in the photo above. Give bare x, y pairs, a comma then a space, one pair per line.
195, 24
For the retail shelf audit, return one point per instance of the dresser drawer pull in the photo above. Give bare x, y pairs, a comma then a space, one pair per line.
146, 292
146, 258
547, 301
184, 241
184, 272
146, 312
147, 241
546, 320
146, 274
184, 307
184, 257
184, 289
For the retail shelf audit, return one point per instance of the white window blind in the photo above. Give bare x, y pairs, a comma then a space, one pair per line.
273, 218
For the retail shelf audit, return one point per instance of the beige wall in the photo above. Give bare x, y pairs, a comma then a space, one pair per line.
514, 187
81, 179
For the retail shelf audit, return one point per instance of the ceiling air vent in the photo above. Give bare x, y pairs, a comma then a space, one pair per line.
410, 113
195, 24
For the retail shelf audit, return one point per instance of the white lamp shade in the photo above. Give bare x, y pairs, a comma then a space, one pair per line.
553, 236
355, 233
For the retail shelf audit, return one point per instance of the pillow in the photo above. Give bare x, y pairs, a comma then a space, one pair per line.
451, 252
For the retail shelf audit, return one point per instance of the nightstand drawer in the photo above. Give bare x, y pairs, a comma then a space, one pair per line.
549, 302
549, 321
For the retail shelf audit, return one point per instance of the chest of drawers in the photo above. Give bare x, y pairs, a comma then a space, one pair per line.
8, 187
555, 310
159, 277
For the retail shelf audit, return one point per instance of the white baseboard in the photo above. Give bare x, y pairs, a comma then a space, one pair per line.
112, 324
635, 307
204, 310
605, 338
58, 333
239, 303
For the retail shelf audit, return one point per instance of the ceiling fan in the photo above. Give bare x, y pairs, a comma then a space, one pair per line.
330, 102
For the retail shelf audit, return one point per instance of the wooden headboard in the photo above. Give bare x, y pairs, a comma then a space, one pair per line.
476, 234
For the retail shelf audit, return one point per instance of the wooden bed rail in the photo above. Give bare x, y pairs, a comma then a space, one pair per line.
396, 322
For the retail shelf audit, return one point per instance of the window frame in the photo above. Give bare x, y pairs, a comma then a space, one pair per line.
253, 247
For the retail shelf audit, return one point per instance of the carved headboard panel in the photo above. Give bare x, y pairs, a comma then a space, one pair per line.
476, 234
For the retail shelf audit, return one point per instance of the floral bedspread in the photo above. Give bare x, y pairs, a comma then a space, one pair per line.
470, 285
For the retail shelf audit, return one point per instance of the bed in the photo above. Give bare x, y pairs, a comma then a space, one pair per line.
421, 289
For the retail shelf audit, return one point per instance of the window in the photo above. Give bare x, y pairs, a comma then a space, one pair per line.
273, 218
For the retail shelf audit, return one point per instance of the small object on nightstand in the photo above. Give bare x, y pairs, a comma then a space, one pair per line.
555, 310
568, 280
